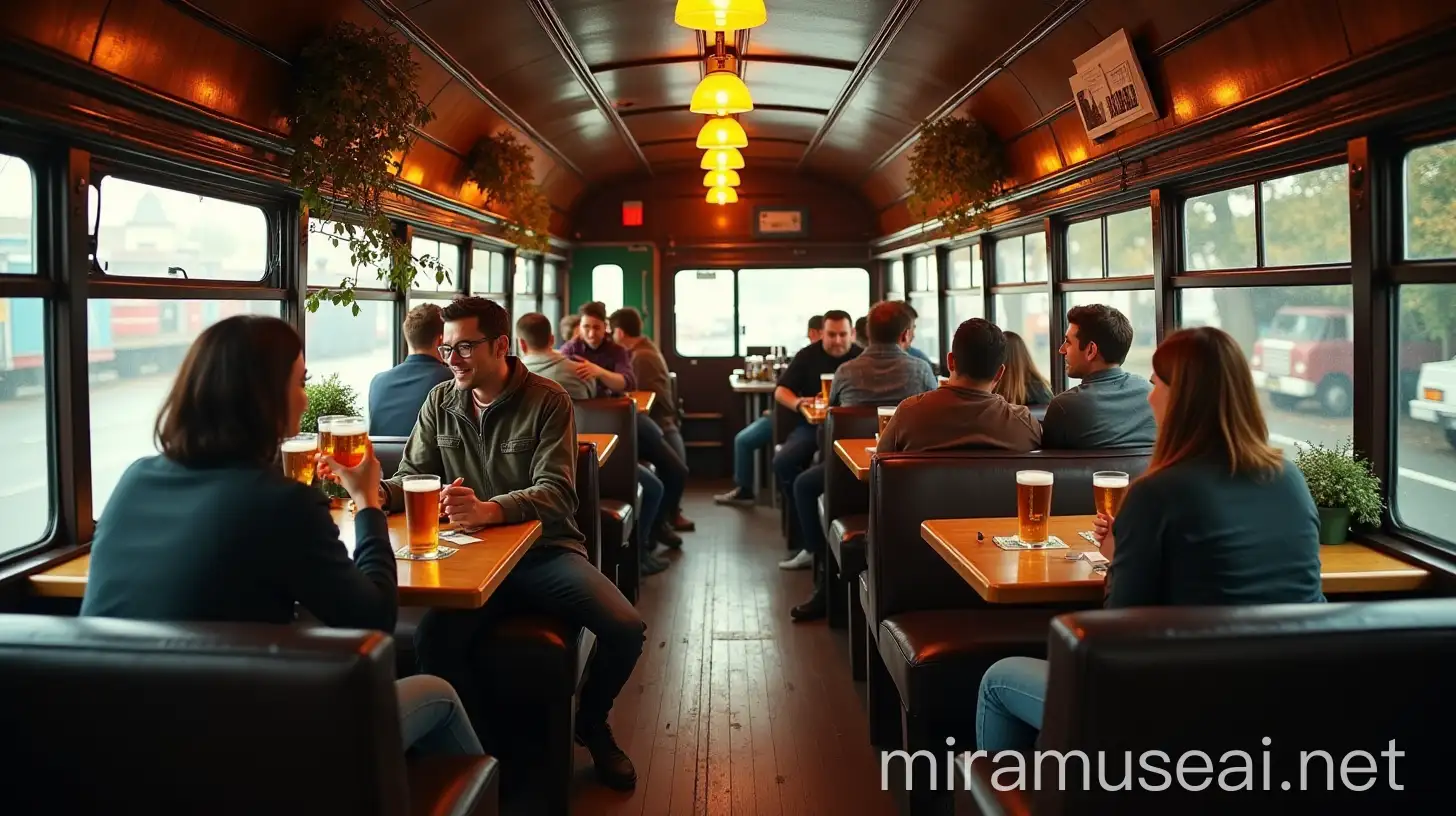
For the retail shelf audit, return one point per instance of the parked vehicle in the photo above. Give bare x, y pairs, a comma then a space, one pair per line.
1436, 397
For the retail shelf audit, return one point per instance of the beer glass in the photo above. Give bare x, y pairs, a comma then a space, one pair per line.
826, 383
325, 435
1109, 488
885, 412
298, 457
422, 514
349, 436
1033, 505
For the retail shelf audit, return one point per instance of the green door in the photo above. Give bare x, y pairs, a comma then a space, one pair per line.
619, 276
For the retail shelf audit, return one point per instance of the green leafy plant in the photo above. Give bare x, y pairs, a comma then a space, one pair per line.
501, 167
956, 171
328, 398
1337, 478
355, 110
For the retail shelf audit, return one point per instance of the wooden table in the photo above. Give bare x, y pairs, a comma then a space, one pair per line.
606, 443
1042, 576
856, 455
644, 399
465, 580
813, 412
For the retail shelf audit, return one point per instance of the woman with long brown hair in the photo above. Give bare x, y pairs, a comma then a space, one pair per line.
213, 530
1219, 518
1022, 384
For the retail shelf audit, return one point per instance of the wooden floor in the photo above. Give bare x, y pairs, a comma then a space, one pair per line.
735, 709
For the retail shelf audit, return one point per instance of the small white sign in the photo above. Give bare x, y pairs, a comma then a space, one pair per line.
1109, 89
780, 221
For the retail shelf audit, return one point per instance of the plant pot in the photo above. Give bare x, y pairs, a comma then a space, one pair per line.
1334, 525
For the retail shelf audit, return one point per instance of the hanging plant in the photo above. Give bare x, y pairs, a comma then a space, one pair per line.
501, 167
355, 109
956, 171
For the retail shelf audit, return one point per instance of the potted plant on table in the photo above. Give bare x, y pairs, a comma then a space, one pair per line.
1344, 488
329, 398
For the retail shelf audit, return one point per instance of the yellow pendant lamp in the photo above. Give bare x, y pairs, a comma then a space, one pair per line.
722, 195
722, 158
720, 15
721, 93
722, 132
722, 178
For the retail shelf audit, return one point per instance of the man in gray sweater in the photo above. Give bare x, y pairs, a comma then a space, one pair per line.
1110, 408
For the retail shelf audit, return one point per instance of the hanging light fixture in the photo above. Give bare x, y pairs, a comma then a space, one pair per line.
720, 15
722, 158
722, 132
721, 91
722, 195
721, 178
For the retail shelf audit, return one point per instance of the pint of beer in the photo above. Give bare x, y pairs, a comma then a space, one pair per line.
826, 382
422, 513
298, 457
325, 433
1109, 488
1033, 505
885, 412
349, 436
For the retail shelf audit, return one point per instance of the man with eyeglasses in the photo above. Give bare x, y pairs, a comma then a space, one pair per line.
504, 442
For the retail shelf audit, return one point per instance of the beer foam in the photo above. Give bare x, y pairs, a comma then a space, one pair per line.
1110, 482
348, 427
422, 485
887, 410
299, 445
1034, 478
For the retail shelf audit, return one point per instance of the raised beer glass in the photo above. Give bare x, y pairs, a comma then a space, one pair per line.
826, 384
298, 457
885, 412
1033, 505
349, 437
1109, 488
422, 514
325, 434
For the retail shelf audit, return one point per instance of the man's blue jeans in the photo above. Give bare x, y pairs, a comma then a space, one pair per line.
796, 454
758, 435
1013, 694
808, 487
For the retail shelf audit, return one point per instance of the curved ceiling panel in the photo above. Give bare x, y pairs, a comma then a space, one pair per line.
460, 117
777, 83
286, 34
651, 86
598, 27
663, 124
1044, 69
829, 29
784, 124
67, 27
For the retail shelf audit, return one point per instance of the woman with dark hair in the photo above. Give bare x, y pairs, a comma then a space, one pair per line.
1022, 384
213, 530
1219, 518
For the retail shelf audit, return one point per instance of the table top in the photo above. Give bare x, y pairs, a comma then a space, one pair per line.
464, 580
606, 443
743, 386
644, 399
1043, 576
856, 455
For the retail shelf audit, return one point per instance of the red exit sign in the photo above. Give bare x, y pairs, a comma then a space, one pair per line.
631, 213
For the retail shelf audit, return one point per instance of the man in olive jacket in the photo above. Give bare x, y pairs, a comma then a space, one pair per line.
503, 440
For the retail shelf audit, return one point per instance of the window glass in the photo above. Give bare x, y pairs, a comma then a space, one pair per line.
927, 325
1219, 230
922, 277
774, 305
17, 223
1028, 316
487, 273
960, 307
895, 286
447, 254
965, 268
1307, 218
523, 298
548, 278
703, 313
1298, 344
1084, 249
1130, 243
1137, 306
607, 286
1430, 202
153, 232
26, 501
1035, 250
329, 265
135, 348
1425, 456
551, 307
1010, 261
355, 348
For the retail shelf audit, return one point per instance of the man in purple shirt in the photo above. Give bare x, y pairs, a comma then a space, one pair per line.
598, 359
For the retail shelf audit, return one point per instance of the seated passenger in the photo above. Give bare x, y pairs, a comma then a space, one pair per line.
597, 358
213, 530
570, 329
1219, 519
395, 396
518, 464
965, 413
816, 328
650, 369
884, 374
1110, 408
1022, 384
534, 340
915, 352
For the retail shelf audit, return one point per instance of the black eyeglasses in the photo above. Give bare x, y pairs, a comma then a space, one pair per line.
465, 347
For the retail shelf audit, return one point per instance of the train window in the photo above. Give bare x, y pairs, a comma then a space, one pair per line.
550, 300
1028, 315
154, 232
1021, 259
523, 297
607, 286
1425, 455
703, 324
330, 264
353, 347
17, 223
449, 257
1084, 249
1137, 305
895, 282
1306, 218
25, 481
135, 348
488, 274
965, 268
549, 272
1034, 248
774, 305
922, 277
1297, 340
964, 298
1219, 230
1430, 202
1130, 243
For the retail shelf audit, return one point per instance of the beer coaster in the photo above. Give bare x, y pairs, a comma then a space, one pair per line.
869, 448
457, 537
1088, 535
441, 552
1014, 543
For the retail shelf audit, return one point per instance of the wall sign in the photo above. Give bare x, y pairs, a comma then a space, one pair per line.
1109, 88
779, 221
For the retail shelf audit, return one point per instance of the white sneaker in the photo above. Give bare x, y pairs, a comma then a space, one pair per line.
734, 498
803, 559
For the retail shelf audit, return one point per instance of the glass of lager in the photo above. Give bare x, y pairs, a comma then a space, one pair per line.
826, 384
298, 457
422, 515
885, 412
1109, 488
348, 437
1033, 505
325, 436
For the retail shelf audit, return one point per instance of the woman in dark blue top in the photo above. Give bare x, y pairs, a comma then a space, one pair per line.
213, 530
1219, 518
1022, 384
